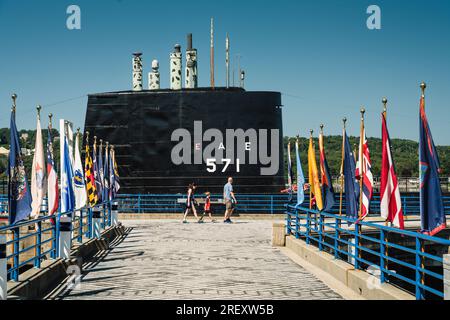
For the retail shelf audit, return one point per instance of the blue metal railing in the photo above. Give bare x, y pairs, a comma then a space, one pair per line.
250, 203
168, 203
44, 235
404, 258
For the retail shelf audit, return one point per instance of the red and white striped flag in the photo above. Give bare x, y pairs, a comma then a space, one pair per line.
390, 205
364, 166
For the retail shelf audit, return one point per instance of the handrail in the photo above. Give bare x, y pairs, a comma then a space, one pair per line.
369, 244
48, 247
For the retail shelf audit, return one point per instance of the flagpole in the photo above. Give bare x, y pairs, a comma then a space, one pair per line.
384, 101
342, 166
423, 86
361, 162
13, 110
310, 194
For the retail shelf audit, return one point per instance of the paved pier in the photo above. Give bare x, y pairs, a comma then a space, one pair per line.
165, 259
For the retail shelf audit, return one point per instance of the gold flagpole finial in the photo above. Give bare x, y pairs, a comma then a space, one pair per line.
344, 121
101, 143
107, 145
321, 128
87, 137
50, 116
14, 98
95, 140
78, 131
384, 101
362, 112
423, 86
311, 132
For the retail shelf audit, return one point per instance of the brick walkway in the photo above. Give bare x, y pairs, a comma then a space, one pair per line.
165, 259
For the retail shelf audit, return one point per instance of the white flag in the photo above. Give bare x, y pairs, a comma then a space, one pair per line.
38, 181
79, 185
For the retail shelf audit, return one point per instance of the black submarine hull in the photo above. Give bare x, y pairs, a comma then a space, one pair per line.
140, 126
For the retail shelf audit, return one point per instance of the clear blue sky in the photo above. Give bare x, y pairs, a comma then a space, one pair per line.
319, 54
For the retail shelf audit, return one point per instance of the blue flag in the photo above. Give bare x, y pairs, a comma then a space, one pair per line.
432, 213
98, 181
106, 176
300, 177
19, 195
351, 184
327, 184
67, 193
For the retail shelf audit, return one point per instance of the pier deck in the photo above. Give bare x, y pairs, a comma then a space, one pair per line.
165, 259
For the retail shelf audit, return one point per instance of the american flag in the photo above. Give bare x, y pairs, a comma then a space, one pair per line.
52, 191
391, 204
364, 166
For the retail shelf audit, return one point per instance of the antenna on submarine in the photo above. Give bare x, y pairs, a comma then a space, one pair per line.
212, 54
227, 60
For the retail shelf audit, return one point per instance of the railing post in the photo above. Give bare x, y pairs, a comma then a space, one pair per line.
297, 234
271, 204
139, 203
308, 226
419, 274
89, 223
336, 238
115, 213
80, 227
103, 217
3, 269
37, 260
96, 222
382, 256
320, 231
357, 226
16, 249
65, 237
446, 267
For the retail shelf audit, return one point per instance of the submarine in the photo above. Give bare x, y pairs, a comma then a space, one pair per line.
166, 139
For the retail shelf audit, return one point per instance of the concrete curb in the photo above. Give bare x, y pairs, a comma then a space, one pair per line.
34, 284
357, 280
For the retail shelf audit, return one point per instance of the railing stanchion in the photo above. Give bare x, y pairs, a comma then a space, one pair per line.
89, 223
297, 232
80, 227
3, 268
336, 237
419, 274
308, 226
382, 256
357, 250
321, 231
65, 237
16, 249
37, 260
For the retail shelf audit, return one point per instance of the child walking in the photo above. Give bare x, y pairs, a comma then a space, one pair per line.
207, 207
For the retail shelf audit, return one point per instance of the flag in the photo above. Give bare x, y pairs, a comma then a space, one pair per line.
114, 174
90, 178
364, 166
390, 204
290, 173
19, 196
67, 192
105, 195
78, 177
327, 184
300, 177
96, 172
101, 176
351, 184
52, 177
432, 213
38, 181
314, 183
